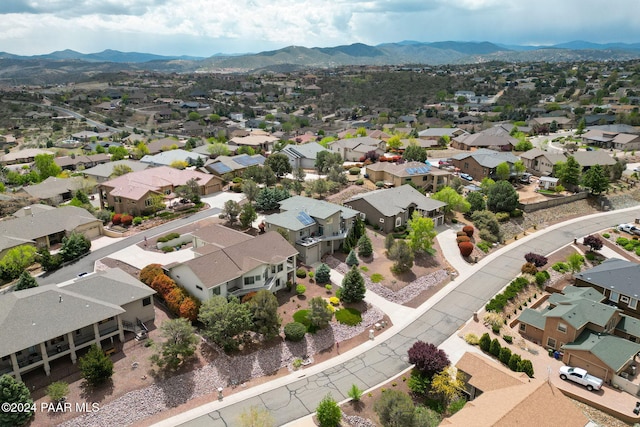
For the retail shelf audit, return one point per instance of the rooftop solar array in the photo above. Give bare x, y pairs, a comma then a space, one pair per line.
245, 160
220, 167
420, 170
305, 219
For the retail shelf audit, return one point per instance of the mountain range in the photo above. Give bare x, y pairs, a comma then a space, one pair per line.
297, 57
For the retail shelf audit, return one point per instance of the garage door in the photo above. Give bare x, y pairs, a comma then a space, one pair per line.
590, 367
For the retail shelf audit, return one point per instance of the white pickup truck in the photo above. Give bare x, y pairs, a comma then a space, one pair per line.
580, 376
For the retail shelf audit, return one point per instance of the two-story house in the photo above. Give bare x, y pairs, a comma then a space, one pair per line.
422, 175
539, 162
228, 262
317, 227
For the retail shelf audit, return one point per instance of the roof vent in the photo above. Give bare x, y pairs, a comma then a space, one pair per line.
60, 298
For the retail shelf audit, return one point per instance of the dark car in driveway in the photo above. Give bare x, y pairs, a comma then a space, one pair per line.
466, 176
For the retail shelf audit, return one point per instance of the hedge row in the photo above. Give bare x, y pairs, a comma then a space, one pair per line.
178, 299
498, 302
504, 355
168, 237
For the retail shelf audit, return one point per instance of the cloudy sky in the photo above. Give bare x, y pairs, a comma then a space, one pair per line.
207, 27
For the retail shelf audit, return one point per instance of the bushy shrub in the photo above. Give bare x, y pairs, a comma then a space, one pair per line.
502, 216
560, 267
461, 239
495, 347
301, 273
507, 338
468, 230
484, 246
116, 219
354, 171
294, 331
541, 277
334, 300
379, 184
126, 220
472, 339
460, 233
505, 355
466, 248
149, 273
514, 361
137, 220
301, 289
516, 213
485, 342
428, 358
359, 181
167, 237
488, 236
168, 249
606, 235
594, 242
526, 366
622, 241
528, 268
536, 259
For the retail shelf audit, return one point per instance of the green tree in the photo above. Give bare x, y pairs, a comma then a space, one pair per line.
25, 281
402, 255
575, 261
394, 142
523, 145
16, 260
352, 259
476, 201
247, 215
57, 391
250, 189
323, 273
453, 200
45, 166
270, 198
365, 247
218, 149
325, 160
74, 246
426, 417
503, 171
263, 307
596, 179
14, 391
389, 240
119, 170
447, 386
568, 172
486, 184
47, 261
502, 197
320, 187
231, 210
328, 412
117, 153
225, 322
337, 174
319, 313
279, 163
299, 174
414, 153
256, 416
421, 233
95, 366
353, 288
141, 150
179, 343
519, 168
582, 124
395, 409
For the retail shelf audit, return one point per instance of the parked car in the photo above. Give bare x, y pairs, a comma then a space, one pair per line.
466, 176
629, 228
580, 376
525, 178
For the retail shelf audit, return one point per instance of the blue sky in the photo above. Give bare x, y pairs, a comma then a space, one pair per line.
207, 27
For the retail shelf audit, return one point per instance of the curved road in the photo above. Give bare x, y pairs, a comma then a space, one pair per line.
297, 395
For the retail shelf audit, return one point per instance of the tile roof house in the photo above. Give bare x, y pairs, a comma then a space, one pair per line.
229, 262
317, 227
482, 163
392, 207
132, 193
352, 149
93, 309
303, 156
104, 171
234, 165
539, 162
585, 329
495, 138
43, 226
503, 399
422, 175
55, 190
166, 158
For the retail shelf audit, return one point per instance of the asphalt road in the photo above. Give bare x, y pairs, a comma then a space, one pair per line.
387, 359
86, 263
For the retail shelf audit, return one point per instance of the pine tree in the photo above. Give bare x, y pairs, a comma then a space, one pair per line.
25, 281
96, 366
365, 247
352, 259
13, 391
353, 288
323, 274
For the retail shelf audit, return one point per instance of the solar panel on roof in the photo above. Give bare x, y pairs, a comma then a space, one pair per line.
220, 167
411, 171
245, 160
304, 218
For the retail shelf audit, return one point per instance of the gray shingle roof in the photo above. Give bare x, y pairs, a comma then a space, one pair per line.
105, 170
306, 151
614, 273
488, 158
392, 201
614, 351
592, 158
53, 187
315, 208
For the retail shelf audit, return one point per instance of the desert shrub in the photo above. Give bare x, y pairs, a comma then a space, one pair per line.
622, 241
485, 342
137, 220
502, 216
349, 316
560, 267
484, 246
301, 289
528, 268
606, 235
168, 237
294, 331
359, 181
461, 239
168, 249
301, 273
495, 347
507, 338
377, 277
536, 259
354, 171
505, 355
468, 230
629, 246
466, 248
591, 256
488, 236
493, 319
379, 184
472, 339
460, 233
541, 277
516, 213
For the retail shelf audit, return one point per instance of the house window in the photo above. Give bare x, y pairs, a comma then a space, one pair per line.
562, 328
398, 221
280, 267
117, 199
613, 296
146, 301
551, 342
249, 280
624, 298
633, 303
523, 327
273, 269
78, 332
216, 291
407, 179
148, 202
167, 191
381, 220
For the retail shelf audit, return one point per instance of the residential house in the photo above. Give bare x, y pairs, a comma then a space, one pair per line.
64, 319
104, 172
482, 163
45, 226
501, 398
303, 156
167, 158
561, 122
353, 149
583, 328
317, 227
54, 190
422, 175
392, 207
618, 141
26, 155
165, 144
587, 159
495, 138
539, 162
93, 145
599, 119
73, 163
258, 140
234, 165
133, 193
437, 133
617, 280
228, 263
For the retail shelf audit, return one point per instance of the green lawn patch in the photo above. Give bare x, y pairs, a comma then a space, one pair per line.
302, 316
377, 277
349, 316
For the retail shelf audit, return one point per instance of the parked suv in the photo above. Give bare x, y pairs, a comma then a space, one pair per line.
629, 228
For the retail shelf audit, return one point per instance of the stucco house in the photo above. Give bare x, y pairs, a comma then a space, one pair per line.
55, 190
495, 138
164, 144
80, 161
317, 227
539, 162
304, 155
234, 165
44, 226
228, 262
59, 321
132, 193
482, 163
104, 172
352, 149
392, 207
607, 139
422, 175
258, 140
166, 158
586, 330
437, 133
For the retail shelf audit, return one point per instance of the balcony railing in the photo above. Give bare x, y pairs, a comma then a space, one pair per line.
31, 359
82, 339
312, 240
57, 349
108, 329
268, 285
